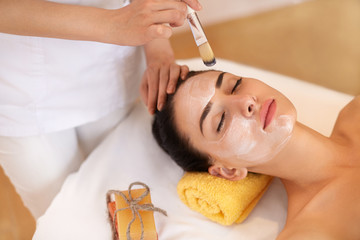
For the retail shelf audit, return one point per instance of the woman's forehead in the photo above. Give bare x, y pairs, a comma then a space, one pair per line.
196, 90
190, 99
202, 84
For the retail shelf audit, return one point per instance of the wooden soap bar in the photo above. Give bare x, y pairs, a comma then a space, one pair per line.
124, 217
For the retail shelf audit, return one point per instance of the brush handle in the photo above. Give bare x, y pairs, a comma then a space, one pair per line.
196, 27
190, 10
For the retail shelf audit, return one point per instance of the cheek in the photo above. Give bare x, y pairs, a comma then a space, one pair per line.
239, 140
248, 142
273, 141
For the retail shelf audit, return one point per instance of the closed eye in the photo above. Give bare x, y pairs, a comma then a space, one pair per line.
238, 82
221, 123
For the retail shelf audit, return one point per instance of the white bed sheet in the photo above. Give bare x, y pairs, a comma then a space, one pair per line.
131, 154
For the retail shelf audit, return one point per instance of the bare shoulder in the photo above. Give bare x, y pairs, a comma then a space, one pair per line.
306, 231
347, 124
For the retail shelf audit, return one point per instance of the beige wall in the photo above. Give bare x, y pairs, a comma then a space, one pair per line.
317, 41
215, 11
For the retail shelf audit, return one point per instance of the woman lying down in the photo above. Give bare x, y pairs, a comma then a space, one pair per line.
230, 125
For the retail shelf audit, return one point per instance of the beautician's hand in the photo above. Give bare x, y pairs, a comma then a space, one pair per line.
161, 75
136, 24
145, 20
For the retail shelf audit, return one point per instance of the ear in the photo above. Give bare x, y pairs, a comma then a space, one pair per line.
232, 174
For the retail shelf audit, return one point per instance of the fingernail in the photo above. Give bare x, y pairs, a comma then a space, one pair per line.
151, 111
170, 89
160, 106
199, 6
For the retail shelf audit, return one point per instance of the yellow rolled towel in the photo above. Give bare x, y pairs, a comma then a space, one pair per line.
223, 201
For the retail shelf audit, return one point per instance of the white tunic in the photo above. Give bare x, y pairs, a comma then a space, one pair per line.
48, 84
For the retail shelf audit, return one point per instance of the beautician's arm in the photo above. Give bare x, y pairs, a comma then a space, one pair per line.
161, 75
136, 24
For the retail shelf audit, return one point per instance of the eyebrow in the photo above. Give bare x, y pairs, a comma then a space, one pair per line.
209, 104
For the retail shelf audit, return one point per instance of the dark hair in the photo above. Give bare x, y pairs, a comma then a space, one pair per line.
173, 142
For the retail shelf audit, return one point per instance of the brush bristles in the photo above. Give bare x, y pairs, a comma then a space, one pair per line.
207, 54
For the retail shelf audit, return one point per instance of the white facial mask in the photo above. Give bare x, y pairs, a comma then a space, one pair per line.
244, 139
199, 95
247, 141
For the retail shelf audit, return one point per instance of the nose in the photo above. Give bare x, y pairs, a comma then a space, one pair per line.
246, 105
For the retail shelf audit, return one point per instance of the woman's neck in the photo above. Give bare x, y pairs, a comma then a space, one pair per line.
307, 159
306, 165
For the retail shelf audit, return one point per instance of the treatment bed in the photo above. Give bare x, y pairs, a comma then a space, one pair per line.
131, 154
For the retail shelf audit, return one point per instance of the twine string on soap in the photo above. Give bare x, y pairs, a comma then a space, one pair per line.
134, 206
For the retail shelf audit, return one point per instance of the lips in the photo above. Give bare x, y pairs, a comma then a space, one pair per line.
267, 112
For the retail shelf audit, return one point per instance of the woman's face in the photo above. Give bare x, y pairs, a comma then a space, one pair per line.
237, 121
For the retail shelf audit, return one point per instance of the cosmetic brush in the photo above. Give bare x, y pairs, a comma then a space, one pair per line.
205, 50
